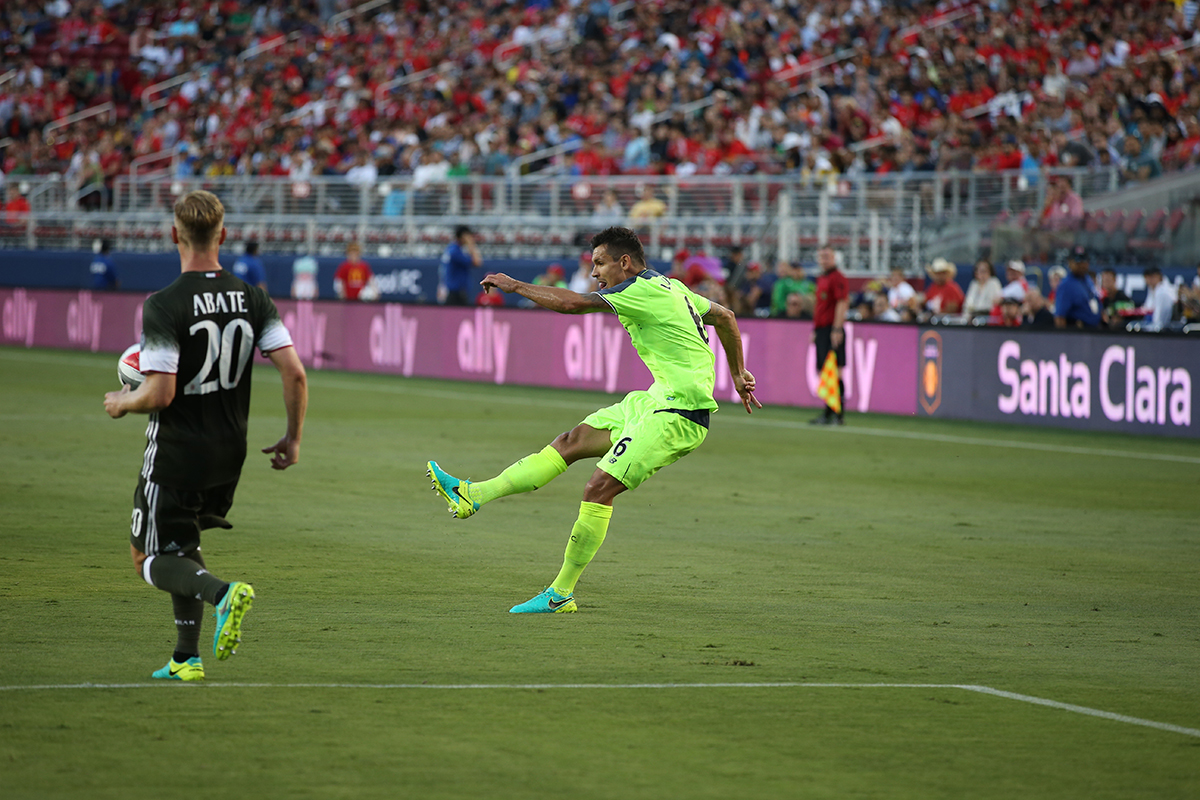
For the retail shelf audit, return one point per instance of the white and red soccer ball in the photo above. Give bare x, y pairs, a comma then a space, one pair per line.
129, 367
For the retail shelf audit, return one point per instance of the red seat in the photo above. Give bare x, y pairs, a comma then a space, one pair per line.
1115, 221
1174, 221
1132, 222
1154, 222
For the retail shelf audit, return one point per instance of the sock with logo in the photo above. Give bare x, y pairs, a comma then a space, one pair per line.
183, 576
587, 534
189, 613
530, 473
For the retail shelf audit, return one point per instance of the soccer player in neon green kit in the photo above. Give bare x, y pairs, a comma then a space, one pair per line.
644, 432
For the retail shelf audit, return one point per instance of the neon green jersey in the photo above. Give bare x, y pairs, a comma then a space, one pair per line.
663, 318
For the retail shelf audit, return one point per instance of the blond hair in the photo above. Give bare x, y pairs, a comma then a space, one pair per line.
199, 217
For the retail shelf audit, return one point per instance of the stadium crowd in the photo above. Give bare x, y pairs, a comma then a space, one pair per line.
815, 88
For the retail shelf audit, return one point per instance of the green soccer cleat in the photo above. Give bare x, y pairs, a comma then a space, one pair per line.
548, 602
452, 490
190, 670
230, 612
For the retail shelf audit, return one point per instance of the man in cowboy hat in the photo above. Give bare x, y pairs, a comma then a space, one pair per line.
944, 295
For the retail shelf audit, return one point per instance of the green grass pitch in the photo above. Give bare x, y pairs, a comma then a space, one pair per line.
897, 559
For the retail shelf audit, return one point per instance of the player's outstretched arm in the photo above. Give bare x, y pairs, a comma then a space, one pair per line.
564, 301
155, 394
725, 324
295, 401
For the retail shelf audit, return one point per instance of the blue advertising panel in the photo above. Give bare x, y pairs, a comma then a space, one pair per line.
1132, 384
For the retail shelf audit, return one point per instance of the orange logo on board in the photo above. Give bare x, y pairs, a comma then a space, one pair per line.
929, 378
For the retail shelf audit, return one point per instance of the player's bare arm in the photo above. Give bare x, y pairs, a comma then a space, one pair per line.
564, 301
725, 324
295, 400
155, 394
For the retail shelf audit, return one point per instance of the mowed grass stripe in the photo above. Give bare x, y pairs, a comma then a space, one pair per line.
346, 381
1024, 698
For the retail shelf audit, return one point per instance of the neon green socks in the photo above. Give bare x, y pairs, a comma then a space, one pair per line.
531, 472
586, 537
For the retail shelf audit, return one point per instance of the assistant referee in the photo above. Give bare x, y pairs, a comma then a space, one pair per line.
829, 316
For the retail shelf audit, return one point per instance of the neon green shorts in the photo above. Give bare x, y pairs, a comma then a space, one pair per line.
645, 437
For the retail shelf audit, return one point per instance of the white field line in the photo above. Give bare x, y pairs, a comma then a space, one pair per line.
987, 690
1091, 712
734, 416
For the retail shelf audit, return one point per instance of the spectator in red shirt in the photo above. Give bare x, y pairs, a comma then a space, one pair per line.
944, 295
489, 299
17, 209
354, 279
829, 316
1010, 314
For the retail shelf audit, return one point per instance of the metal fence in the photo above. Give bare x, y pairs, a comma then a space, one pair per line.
878, 221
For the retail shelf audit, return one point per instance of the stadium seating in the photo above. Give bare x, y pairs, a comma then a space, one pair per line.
841, 118
891, 99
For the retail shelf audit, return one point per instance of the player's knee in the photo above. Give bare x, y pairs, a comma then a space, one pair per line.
602, 488
567, 445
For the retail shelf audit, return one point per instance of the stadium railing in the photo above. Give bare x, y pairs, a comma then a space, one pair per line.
880, 221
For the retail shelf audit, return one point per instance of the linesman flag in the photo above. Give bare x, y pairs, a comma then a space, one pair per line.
827, 386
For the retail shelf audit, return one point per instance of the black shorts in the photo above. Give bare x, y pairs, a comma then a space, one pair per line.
824, 337
169, 520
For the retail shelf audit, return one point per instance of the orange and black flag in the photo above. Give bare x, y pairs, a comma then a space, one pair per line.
827, 386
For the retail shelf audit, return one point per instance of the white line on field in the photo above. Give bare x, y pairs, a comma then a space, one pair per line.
1091, 712
987, 690
400, 388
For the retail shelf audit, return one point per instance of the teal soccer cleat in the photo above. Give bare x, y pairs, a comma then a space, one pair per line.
190, 670
456, 493
230, 612
548, 602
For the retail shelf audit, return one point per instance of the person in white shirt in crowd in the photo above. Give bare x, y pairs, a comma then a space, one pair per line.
363, 172
881, 311
304, 278
582, 281
1053, 278
899, 290
1160, 300
1015, 285
985, 291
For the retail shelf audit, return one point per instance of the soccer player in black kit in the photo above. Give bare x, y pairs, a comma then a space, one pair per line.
198, 339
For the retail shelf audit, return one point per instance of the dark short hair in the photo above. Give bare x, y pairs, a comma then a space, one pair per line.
1151, 271
460, 231
1108, 269
621, 242
251, 248
105, 245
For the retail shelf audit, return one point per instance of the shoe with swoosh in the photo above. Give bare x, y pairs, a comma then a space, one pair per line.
548, 602
453, 491
190, 670
230, 612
